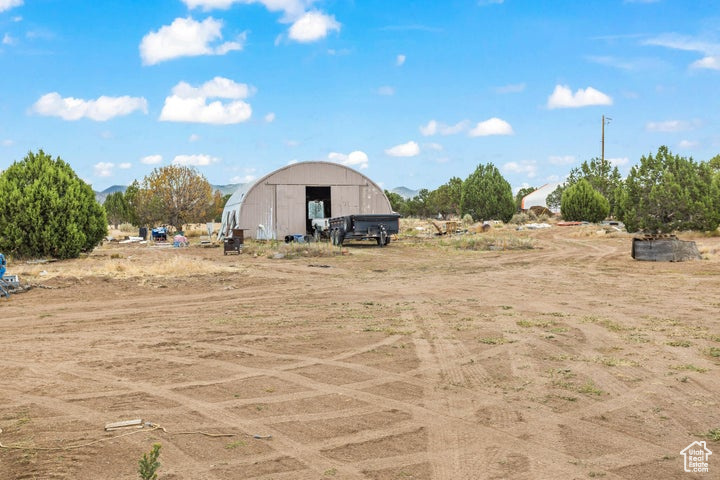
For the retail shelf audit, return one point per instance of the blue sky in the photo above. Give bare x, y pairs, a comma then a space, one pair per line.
409, 93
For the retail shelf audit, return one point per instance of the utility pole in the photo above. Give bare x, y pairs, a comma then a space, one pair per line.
602, 158
602, 143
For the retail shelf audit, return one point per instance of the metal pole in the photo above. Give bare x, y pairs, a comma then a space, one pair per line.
602, 159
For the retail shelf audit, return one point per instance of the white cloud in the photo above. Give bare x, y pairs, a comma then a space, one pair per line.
190, 104
561, 159
270, 117
669, 126
515, 190
338, 53
193, 137
102, 109
562, 97
8, 4
7, 143
151, 159
386, 91
291, 8
400, 60
186, 37
9, 40
313, 26
125, 165
687, 144
194, 160
527, 168
434, 127
492, 126
434, 146
103, 169
357, 159
430, 129
619, 161
243, 179
513, 88
409, 149
709, 49
710, 63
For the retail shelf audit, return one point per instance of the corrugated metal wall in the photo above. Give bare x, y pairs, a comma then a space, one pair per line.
277, 201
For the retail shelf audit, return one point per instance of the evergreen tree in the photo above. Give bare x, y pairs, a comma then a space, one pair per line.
486, 195
48, 210
117, 209
521, 194
397, 201
581, 202
667, 192
446, 198
602, 176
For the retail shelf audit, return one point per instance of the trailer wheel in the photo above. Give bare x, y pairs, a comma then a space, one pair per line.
382, 239
333, 237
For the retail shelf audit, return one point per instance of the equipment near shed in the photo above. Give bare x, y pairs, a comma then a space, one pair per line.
450, 227
9, 283
664, 248
235, 242
159, 234
364, 227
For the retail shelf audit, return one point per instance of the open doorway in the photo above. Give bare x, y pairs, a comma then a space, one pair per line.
317, 205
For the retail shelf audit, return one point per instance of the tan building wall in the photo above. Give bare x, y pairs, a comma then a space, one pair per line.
277, 202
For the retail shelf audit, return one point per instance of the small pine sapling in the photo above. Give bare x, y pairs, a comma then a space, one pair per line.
149, 463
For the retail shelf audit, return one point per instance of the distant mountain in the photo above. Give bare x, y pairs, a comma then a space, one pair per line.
405, 192
227, 189
230, 188
101, 196
224, 189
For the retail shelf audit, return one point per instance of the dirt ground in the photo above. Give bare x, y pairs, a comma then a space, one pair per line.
415, 361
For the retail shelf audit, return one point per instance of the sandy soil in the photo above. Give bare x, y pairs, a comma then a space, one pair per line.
416, 361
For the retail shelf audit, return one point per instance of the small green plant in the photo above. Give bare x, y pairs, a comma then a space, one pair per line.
149, 463
690, 367
589, 388
494, 340
714, 351
234, 445
713, 434
679, 343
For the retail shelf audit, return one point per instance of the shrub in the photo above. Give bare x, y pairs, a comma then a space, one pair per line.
148, 464
582, 202
486, 195
667, 192
48, 210
519, 218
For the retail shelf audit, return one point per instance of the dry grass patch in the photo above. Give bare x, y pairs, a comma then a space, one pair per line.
117, 265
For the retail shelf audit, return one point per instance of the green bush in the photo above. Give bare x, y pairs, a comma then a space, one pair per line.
486, 195
149, 464
667, 192
581, 202
47, 210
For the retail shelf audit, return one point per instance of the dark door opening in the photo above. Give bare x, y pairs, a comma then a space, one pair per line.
317, 205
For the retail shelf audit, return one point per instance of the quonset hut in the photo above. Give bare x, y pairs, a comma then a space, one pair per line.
285, 201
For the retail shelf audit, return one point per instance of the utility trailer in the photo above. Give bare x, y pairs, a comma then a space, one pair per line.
364, 227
